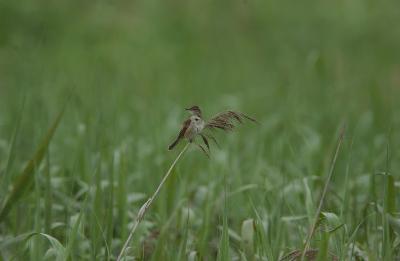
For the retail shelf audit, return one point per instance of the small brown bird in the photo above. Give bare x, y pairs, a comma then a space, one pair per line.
196, 125
191, 127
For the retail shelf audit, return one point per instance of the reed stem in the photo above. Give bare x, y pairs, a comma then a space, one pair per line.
147, 204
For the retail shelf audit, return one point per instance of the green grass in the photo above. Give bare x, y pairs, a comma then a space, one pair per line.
302, 69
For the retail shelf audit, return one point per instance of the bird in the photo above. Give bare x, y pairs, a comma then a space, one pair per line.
195, 126
190, 127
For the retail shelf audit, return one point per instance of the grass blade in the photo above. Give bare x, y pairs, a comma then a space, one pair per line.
73, 237
58, 249
247, 235
5, 177
321, 202
25, 180
147, 204
223, 251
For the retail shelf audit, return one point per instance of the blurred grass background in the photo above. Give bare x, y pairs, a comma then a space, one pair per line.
303, 69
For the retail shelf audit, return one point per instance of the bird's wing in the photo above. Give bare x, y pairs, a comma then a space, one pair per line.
185, 126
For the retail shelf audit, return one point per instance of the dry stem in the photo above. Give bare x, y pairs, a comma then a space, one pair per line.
146, 205
321, 202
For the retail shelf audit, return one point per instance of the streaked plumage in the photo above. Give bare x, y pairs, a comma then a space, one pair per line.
195, 125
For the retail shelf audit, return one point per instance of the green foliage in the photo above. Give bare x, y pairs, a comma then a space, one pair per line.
302, 69
56, 252
223, 248
247, 234
25, 179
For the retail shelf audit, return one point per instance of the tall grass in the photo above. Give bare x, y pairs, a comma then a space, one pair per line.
147, 204
316, 219
299, 68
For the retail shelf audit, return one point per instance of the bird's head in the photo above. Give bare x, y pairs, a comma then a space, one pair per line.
194, 110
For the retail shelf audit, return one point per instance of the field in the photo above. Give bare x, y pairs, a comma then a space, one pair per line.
116, 77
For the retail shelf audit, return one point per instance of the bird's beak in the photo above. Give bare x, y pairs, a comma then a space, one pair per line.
188, 109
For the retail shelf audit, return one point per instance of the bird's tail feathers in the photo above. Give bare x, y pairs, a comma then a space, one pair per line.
170, 147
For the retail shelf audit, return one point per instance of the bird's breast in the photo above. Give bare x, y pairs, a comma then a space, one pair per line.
193, 130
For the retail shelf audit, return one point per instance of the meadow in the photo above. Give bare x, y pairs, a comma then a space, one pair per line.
93, 92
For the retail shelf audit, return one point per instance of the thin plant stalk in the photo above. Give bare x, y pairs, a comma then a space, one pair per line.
321, 202
147, 204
